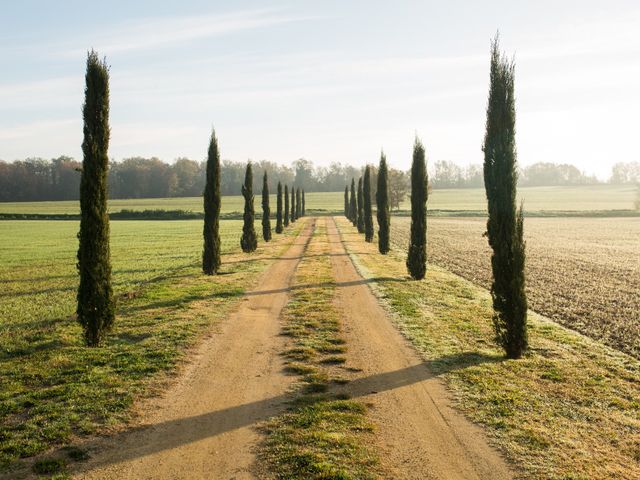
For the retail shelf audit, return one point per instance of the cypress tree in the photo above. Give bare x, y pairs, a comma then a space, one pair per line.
279, 209
96, 309
293, 204
346, 201
298, 203
303, 204
266, 211
417, 255
368, 216
211, 232
382, 203
353, 205
286, 205
505, 225
248, 241
360, 203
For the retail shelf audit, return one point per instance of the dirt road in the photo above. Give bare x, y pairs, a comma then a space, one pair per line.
420, 436
203, 428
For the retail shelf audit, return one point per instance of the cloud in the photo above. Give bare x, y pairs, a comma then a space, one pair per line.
50, 92
149, 33
35, 129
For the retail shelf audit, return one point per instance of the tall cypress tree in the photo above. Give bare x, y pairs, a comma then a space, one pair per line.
95, 309
293, 204
298, 203
211, 252
382, 203
286, 205
417, 255
346, 201
266, 210
248, 241
279, 209
304, 207
360, 203
368, 216
353, 204
505, 225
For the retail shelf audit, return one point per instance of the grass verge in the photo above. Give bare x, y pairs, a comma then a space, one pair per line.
569, 410
323, 435
54, 388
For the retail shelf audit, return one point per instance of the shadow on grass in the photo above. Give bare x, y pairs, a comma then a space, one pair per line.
248, 260
182, 301
37, 292
304, 286
139, 442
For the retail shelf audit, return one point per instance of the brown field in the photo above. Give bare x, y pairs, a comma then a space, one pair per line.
582, 272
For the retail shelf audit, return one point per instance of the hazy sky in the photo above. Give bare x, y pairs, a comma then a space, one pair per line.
324, 80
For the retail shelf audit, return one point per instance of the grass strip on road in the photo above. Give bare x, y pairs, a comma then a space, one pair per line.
570, 409
323, 435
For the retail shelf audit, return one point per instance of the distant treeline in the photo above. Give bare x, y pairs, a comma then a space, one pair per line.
37, 179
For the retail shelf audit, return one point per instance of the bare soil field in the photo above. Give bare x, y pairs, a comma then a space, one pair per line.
582, 272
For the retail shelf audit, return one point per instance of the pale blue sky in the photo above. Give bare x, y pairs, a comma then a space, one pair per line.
328, 81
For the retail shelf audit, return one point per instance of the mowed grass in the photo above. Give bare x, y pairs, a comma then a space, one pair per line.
569, 409
52, 387
540, 199
596, 198
321, 201
582, 272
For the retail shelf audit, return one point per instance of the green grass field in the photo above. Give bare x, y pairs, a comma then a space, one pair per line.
52, 387
230, 204
536, 199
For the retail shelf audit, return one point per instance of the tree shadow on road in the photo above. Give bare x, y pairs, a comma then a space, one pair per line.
135, 442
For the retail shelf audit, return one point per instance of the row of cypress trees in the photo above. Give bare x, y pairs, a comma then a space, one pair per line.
249, 240
95, 308
358, 209
505, 224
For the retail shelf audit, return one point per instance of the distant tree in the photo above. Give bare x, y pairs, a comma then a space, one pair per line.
398, 187
447, 175
248, 241
293, 204
305, 177
211, 257
504, 225
551, 174
417, 255
188, 177
625, 173
304, 204
360, 203
353, 204
346, 201
473, 176
298, 203
368, 216
279, 209
96, 308
637, 202
373, 175
266, 210
382, 204
286, 206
